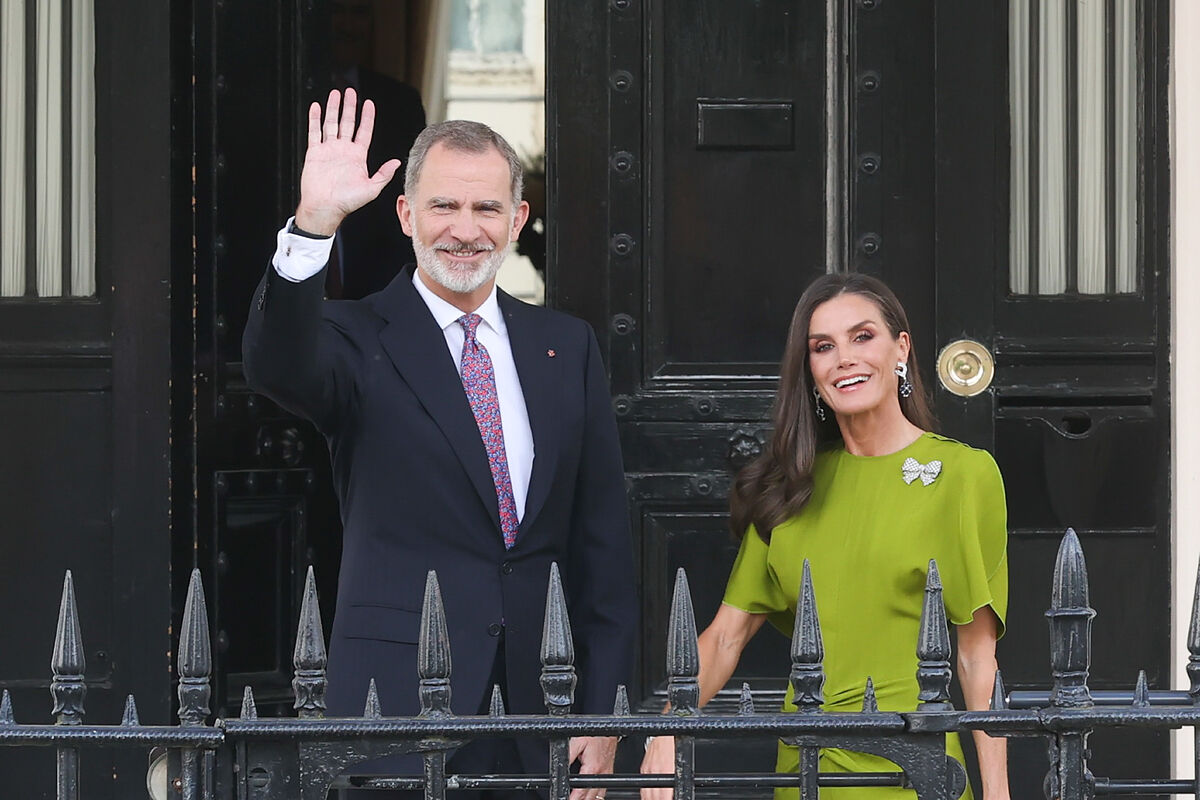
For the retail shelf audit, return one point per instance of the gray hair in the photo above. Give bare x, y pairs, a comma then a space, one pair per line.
463, 136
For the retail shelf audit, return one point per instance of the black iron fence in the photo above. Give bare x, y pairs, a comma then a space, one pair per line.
270, 759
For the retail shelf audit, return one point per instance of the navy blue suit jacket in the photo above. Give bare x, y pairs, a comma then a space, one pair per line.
416, 493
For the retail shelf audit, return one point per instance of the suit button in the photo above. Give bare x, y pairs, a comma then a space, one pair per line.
506, 568
494, 629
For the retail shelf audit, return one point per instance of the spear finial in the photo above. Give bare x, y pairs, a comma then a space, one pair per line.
67, 663
195, 656
746, 701
249, 708
683, 654
999, 693
621, 702
558, 649
933, 647
129, 718
808, 651
496, 706
1141, 692
433, 652
309, 658
870, 701
372, 709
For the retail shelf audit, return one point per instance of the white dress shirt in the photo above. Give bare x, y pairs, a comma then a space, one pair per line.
298, 258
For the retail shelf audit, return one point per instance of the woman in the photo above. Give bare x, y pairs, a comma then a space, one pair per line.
855, 481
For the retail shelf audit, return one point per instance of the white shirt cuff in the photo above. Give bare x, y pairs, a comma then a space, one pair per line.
298, 258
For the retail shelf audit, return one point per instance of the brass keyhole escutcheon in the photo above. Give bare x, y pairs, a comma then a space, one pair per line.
965, 367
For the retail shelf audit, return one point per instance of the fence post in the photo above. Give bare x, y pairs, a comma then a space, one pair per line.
433, 667
808, 674
309, 657
67, 687
933, 647
558, 678
195, 667
683, 686
1070, 618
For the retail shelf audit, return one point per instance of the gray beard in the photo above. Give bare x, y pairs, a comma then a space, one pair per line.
462, 279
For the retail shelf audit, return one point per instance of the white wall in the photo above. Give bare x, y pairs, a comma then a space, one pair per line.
1185, 337
510, 97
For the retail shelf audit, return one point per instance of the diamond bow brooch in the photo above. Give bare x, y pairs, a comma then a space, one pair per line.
913, 469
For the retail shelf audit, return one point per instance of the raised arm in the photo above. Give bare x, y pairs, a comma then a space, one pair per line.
288, 353
721, 647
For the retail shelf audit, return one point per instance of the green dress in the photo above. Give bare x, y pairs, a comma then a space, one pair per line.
869, 536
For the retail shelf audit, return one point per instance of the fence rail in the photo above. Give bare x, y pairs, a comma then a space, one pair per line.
303, 757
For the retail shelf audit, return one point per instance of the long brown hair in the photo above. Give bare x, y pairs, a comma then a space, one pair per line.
778, 484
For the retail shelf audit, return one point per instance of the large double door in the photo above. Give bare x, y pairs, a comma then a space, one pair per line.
738, 150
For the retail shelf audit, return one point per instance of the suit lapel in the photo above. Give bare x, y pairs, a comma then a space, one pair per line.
539, 373
417, 348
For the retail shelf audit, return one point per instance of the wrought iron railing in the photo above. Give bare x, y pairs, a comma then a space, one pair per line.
270, 759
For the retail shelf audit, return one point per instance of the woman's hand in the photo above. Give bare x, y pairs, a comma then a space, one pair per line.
720, 647
659, 760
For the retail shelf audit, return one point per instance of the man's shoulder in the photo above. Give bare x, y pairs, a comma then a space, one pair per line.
548, 319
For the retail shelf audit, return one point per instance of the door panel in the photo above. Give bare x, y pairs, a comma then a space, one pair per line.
85, 410
1077, 416
259, 483
737, 94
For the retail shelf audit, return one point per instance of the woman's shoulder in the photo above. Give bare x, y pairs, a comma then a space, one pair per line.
966, 460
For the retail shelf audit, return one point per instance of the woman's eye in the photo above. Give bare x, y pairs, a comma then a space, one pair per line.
864, 336
821, 347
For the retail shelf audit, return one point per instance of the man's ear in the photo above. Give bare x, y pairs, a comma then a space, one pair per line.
519, 220
404, 212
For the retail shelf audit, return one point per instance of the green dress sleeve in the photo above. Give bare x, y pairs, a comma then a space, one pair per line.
975, 573
752, 587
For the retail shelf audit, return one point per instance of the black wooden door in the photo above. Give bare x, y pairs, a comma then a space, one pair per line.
706, 140
261, 500
84, 395
738, 150
1078, 414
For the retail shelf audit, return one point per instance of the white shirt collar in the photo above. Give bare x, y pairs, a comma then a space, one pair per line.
446, 314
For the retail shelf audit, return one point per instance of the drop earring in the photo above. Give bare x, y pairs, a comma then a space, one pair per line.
906, 387
817, 403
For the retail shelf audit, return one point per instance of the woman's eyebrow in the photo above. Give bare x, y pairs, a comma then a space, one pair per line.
855, 327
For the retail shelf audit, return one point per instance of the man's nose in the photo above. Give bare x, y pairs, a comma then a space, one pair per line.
464, 226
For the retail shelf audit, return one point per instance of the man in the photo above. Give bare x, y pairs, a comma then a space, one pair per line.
402, 383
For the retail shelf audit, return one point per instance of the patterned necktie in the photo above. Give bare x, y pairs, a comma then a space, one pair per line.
479, 381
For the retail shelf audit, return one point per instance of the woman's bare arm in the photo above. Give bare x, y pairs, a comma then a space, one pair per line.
721, 647
976, 675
